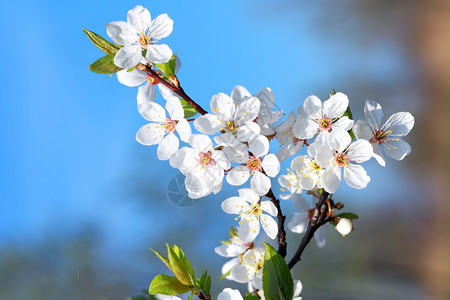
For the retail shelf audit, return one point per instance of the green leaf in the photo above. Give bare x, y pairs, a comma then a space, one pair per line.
207, 286
189, 111
105, 65
191, 296
251, 297
225, 275
167, 285
347, 215
181, 267
277, 280
348, 113
163, 258
233, 232
100, 42
169, 67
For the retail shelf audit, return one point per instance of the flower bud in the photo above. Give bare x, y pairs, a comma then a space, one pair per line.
344, 226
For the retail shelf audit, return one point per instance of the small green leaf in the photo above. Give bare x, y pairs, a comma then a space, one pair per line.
347, 215
233, 232
191, 296
225, 275
348, 113
189, 111
179, 267
207, 286
277, 280
168, 68
184, 259
251, 297
100, 42
105, 65
167, 285
163, 258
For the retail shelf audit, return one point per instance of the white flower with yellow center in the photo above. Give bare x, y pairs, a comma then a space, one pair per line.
389, 135
318, 117
202, 165
253, 213
139, 34
162, 130
253, 165
234, 120
251, 268
341, 153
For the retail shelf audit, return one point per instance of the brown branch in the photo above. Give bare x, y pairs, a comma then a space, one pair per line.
318, 218
282, 244
176, 89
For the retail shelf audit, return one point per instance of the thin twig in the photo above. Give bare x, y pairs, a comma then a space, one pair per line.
282, 244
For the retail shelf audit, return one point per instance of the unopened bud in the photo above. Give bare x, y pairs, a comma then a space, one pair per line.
174, 80
344, 226
339, 205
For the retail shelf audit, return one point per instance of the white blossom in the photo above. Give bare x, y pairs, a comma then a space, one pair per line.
251, 268
139, 34
291, 144
318, 117
202, 165
234, 248
342, 153
235, 120
254, 165
162, 130
389, 135
253, 213
230, 294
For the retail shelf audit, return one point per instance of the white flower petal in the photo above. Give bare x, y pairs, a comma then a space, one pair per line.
257, 282
249, 195
175, 109
239, 274
238, 175
300, 202
299, 162
312, 106
360, 151
234, 205
336, 106
128, 56
184, 130
208, 124
132, 78
269, 208
229, 294
271, 165
343, 123
201, 142
139, 17
265, 95
248, 131
229, 265
226, 139
396, 148
122, 33
223, 107
166, 92
269, 225
305, 128
378, 155
355, 176
196, 187
400, 124
150, 134
248, 229
373, 113
339, 140
260, 183
259, 146
168, 146
247, 111
362, 130
158, 53
146, 94
161, 27
151, 111
331, 181
319, 235
237, 153
239, 94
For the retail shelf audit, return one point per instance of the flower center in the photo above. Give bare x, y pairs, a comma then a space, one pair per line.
325, 124
144, 40
206, 159
314, 166
255, 210
379, 137
341, 160
231, 127
169, 125
254, 163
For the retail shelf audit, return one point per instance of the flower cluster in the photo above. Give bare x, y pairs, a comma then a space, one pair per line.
233, 141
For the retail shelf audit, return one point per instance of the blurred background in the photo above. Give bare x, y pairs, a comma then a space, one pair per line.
82, 202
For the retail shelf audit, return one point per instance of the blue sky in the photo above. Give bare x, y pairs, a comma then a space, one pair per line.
69, 154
